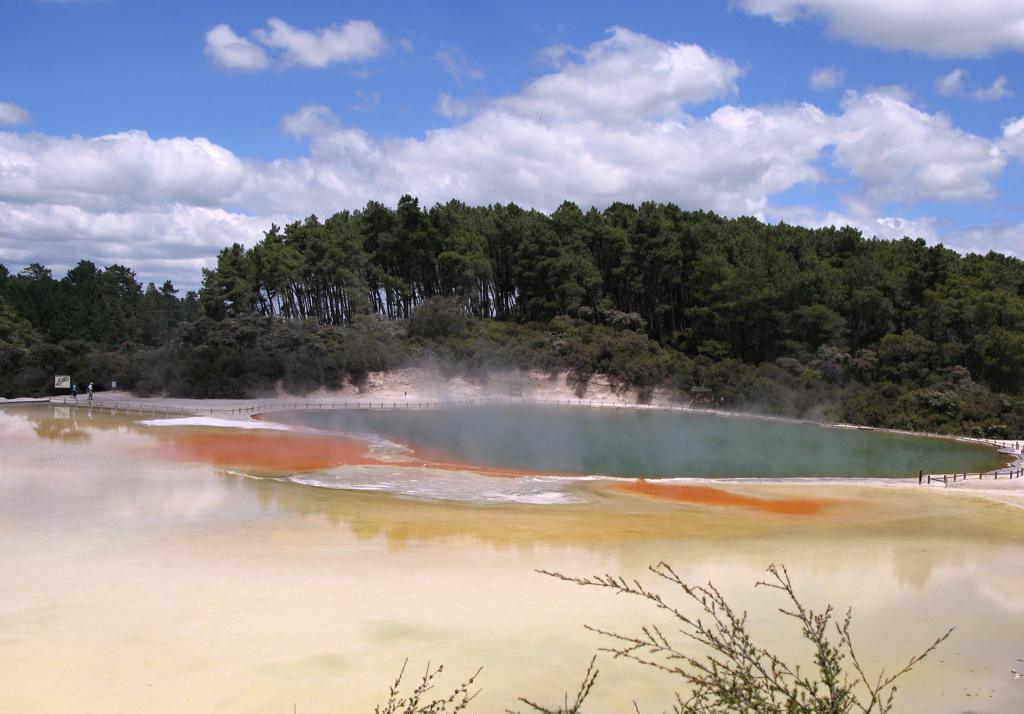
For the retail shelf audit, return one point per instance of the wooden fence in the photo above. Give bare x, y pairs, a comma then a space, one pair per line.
946, 479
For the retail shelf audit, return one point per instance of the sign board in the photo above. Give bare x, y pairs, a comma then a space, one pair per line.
62, 381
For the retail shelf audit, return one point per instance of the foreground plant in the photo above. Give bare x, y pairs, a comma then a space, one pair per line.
567, 707
416, 701
740, 676
733, 676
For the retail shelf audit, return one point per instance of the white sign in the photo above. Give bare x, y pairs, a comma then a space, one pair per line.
113, 386
62, 381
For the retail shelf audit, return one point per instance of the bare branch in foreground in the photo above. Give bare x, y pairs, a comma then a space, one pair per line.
736, 675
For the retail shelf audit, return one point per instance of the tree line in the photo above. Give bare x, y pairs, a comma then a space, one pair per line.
692, 281
777, 317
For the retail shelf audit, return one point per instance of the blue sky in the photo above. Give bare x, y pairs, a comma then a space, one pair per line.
154, 134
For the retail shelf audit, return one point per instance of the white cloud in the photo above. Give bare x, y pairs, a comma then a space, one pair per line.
1005, 238
168, 242
309, 120
13, 114
554, 55
952, 85
936, 27
827, 78
229, 51
864, 217
1013, 138
117, 170
454, 62
448, 106
353, 41
628, 75
730, 161
611, 124
901, 153
999, 89
1001, 237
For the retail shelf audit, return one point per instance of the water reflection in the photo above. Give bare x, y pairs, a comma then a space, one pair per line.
63, 423
167, 586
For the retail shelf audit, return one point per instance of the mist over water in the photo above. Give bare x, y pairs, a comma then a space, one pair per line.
650, 443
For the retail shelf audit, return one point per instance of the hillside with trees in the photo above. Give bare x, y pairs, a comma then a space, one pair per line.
821, 323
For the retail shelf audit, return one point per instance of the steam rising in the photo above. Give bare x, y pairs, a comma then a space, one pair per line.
649, 443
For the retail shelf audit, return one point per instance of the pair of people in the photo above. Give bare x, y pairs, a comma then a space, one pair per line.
74, 391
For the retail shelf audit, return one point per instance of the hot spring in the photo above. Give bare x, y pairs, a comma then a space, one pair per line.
647, 443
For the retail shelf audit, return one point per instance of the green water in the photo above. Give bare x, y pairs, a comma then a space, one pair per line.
652, 443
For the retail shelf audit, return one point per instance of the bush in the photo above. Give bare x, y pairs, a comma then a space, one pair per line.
736, 675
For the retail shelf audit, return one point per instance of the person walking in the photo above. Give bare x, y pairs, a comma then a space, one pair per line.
74, 392
89, 388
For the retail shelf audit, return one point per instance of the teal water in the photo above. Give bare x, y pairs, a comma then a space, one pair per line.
651, 443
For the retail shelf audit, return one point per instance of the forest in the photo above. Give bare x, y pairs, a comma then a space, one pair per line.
819, 323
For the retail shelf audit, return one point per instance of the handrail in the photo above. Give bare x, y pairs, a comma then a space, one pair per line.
945, 479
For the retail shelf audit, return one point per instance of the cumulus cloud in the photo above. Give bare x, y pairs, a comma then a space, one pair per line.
732, 160
613, 122
352, 41
955, 29
13, 114
160, 205
127, 169
628, 74
1013, 138
167, 242
901, 153
827, 78
953, 85
729, 161
229, 51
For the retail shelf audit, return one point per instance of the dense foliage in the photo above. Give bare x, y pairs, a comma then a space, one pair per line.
808, 322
